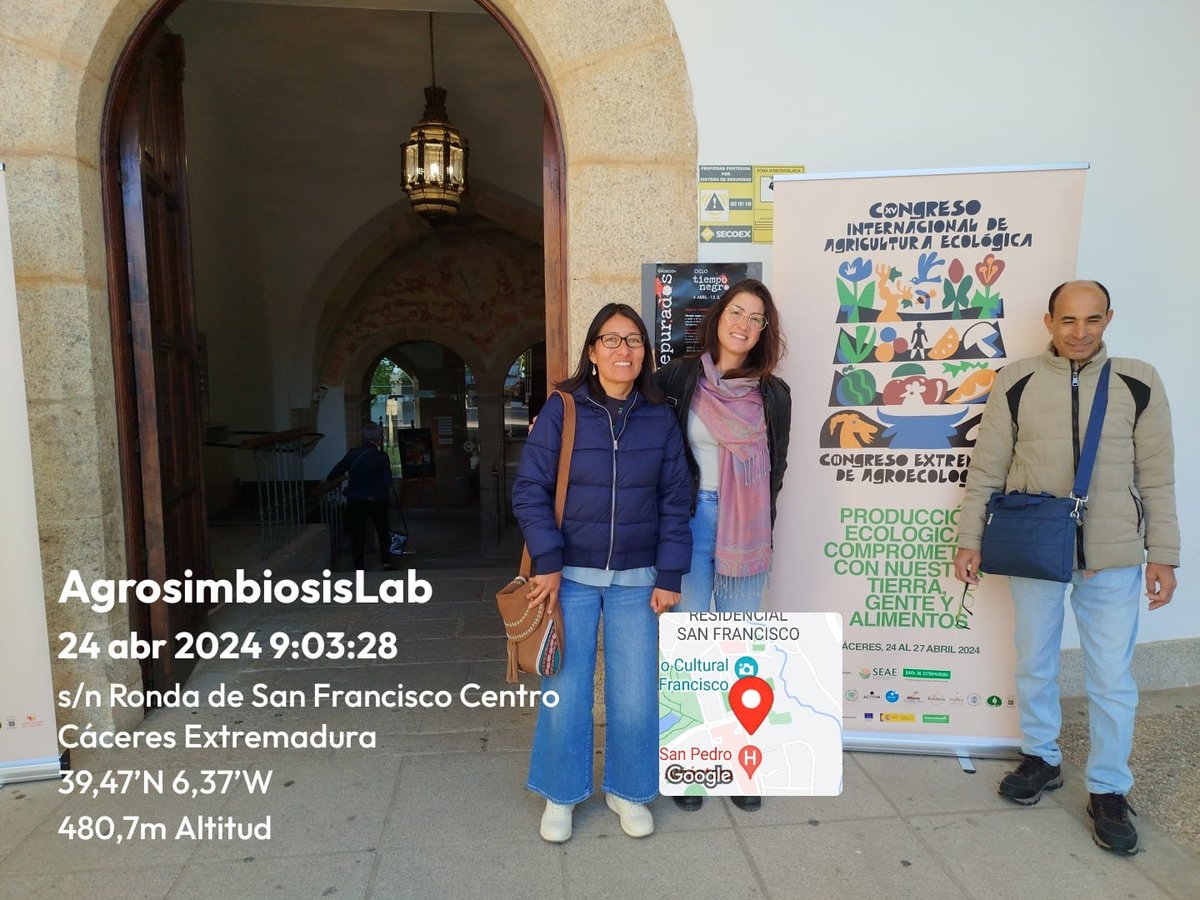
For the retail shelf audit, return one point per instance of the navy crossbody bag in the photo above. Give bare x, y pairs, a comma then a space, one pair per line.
1033, 535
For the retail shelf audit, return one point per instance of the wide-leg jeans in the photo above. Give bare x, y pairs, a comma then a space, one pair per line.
701, 587
1106, 611
560, 767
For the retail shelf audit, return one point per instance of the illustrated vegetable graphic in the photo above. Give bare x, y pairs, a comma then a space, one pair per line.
946, 344
915, 387
973, 387
856, 388
856, 348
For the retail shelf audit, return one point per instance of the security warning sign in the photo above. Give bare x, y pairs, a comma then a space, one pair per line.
737, 203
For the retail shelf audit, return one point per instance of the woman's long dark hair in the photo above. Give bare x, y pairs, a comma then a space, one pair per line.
583, 371
763, 356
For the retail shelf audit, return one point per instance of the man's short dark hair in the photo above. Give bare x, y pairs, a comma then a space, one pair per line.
1054, 293
372, 434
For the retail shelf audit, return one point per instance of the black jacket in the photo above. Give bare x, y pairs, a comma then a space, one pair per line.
678, 381
370, 474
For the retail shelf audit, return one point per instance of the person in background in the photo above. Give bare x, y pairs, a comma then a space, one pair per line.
368, 490
1029, 440
737, 416
619, 556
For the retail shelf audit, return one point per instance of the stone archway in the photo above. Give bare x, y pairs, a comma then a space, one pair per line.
479, 285
474, 289
367, 251
629, 198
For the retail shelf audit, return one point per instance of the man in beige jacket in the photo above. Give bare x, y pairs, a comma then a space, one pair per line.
1029, 440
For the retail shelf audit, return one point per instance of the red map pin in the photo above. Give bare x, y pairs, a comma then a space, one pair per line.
750, 699
751, 758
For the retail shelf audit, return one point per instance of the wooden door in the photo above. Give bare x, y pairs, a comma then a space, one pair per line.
554, 206
163, 421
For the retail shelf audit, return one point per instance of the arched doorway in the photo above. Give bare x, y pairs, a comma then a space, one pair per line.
159, 353
628, 169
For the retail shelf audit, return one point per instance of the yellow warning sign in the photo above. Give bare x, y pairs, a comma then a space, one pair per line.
737, 203
714, 206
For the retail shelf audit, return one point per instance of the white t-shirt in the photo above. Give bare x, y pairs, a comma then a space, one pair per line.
704, 448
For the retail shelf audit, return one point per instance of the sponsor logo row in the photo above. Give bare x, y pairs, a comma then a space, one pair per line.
933, 697
886, 673
926, 718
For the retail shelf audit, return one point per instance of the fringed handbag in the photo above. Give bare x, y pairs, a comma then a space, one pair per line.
535, 639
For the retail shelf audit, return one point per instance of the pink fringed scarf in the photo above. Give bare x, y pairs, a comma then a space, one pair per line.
732, 410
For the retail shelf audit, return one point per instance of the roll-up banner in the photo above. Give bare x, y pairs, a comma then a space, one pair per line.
902, 294
28, 741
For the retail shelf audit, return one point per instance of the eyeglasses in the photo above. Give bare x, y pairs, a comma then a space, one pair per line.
735, 314
613, 341
964, 606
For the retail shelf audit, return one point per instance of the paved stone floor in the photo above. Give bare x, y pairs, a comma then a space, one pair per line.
1165, 759
438, 808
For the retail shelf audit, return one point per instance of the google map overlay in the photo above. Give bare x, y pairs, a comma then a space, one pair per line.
750, 704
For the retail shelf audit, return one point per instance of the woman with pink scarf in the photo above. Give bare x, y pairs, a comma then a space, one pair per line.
736, 416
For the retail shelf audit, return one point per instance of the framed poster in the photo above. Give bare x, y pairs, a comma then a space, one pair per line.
416, 452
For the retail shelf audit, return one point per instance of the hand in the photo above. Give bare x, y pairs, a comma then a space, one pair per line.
662, 600
1160, 584
966, 566
545, 587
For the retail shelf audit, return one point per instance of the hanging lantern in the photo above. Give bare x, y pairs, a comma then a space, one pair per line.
435, 157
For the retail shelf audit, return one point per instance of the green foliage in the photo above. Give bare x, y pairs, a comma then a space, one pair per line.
381, 380
960, 367
853, 302
857, 348
957, 297
987, 303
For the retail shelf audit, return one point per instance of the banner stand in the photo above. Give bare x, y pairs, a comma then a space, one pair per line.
902, 293
28, 731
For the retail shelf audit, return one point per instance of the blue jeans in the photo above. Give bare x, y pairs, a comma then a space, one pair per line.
1106, 612
560, 767
701, 586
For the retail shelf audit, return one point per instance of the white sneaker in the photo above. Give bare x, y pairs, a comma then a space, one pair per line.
556, 822
636, 820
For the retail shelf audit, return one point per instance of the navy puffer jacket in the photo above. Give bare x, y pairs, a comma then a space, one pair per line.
641, 521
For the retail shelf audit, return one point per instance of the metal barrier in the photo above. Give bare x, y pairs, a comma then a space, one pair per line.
333, 509
279, 475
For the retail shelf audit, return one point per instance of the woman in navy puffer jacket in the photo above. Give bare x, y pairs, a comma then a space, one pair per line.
624, 546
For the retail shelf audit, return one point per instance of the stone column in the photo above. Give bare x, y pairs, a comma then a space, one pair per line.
492, 500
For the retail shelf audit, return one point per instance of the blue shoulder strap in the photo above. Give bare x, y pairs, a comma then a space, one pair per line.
1091, 441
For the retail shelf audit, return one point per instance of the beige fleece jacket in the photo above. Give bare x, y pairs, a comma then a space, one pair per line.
1130, 514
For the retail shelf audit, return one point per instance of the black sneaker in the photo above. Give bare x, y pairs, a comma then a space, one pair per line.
1111, 828
1033, 776
689, 802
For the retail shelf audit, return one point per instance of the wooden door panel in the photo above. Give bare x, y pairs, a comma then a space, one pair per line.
163, 343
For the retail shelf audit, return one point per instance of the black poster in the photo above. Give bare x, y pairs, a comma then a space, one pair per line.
416, 452
675, 297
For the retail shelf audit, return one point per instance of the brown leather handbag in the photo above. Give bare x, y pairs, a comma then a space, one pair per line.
535, 638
